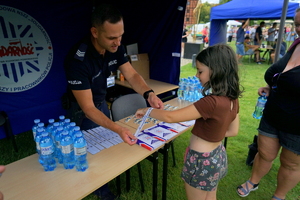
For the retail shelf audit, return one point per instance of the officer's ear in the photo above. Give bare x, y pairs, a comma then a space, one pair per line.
94, 32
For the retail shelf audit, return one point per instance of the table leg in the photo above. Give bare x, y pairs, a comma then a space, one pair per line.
155, 175
165, 152
118, 181
154, 159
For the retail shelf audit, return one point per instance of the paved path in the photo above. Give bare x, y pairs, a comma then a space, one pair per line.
184, 61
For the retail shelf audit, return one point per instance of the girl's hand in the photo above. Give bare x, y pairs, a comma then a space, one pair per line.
265, 90
141, 112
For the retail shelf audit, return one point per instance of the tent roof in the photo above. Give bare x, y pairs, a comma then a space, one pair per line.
253, 9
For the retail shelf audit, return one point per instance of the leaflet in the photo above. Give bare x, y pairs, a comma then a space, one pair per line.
148, 142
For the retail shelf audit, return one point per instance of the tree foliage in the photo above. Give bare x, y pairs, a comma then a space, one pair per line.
224, 1
205, 11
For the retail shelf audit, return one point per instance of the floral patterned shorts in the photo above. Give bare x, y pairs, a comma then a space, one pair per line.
204, 170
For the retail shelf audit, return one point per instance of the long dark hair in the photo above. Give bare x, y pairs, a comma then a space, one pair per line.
224, 78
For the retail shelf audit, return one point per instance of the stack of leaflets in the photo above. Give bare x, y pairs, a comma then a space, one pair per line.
155, 136
100, 138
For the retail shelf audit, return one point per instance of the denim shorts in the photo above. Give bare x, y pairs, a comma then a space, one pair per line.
204, 170
250, 51
240, 49
286, 140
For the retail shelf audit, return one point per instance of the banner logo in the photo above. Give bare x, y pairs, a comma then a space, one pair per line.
26, 52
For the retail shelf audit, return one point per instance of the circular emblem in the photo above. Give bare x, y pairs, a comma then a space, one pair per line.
26, 52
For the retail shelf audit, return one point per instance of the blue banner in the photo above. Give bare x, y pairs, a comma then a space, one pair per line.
35, 38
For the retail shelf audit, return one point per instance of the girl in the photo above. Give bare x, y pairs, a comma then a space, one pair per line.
216, 117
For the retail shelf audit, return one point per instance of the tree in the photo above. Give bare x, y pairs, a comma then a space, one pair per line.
205, 13
224, 1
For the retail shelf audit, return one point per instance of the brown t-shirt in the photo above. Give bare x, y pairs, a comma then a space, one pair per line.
216, 117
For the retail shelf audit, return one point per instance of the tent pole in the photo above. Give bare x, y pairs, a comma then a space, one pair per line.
281, 28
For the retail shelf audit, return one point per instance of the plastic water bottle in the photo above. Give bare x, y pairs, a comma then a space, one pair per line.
191, 90
37, 140
75, 130
67, 150
49, 127
41, 125
260, 105
54, 130
80, 152
180, 89
200, 88
57, 141
67, 122
61, 120
71, 128
186, 91
35, 126
47, 151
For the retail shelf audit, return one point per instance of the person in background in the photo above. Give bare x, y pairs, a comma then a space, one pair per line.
259, 34
230, 33
291, 36
216, 116
279, 125
281, 51
240, 37
252, 49
272, 32
205, 34
90, 63
252, 32
185, 34
2, 169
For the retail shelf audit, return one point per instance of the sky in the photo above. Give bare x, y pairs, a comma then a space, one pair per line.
211, 1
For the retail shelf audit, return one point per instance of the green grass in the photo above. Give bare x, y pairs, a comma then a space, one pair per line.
251, 76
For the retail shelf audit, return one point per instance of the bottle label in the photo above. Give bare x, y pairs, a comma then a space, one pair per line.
38, 146
260, 104
80, 151
47, 150
67, 149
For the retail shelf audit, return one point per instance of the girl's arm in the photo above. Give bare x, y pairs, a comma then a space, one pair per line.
233, 128
180, 115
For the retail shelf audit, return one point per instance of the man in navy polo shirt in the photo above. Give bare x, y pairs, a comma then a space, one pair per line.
89, 65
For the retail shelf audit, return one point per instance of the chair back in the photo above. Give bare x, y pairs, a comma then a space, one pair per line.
127, 105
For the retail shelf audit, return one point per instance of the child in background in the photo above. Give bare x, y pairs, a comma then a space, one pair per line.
216, 116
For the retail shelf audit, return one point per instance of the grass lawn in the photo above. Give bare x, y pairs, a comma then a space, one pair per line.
251, 76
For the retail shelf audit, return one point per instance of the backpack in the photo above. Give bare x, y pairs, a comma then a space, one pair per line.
253, 149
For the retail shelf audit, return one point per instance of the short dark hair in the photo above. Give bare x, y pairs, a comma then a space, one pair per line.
247, 38
224, 78
105, 12
262, 23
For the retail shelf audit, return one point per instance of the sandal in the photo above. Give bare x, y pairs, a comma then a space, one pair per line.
277, 198
246, 190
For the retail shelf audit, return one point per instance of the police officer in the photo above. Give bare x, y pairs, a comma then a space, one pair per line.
89, 65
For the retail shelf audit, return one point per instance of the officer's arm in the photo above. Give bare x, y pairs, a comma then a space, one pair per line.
85, 101
139, 85
134, 79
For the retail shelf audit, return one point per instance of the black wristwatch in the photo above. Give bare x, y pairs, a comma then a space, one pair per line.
146, 94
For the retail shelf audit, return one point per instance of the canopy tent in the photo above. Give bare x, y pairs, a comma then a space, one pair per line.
228, 23
40, 34
242, 10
